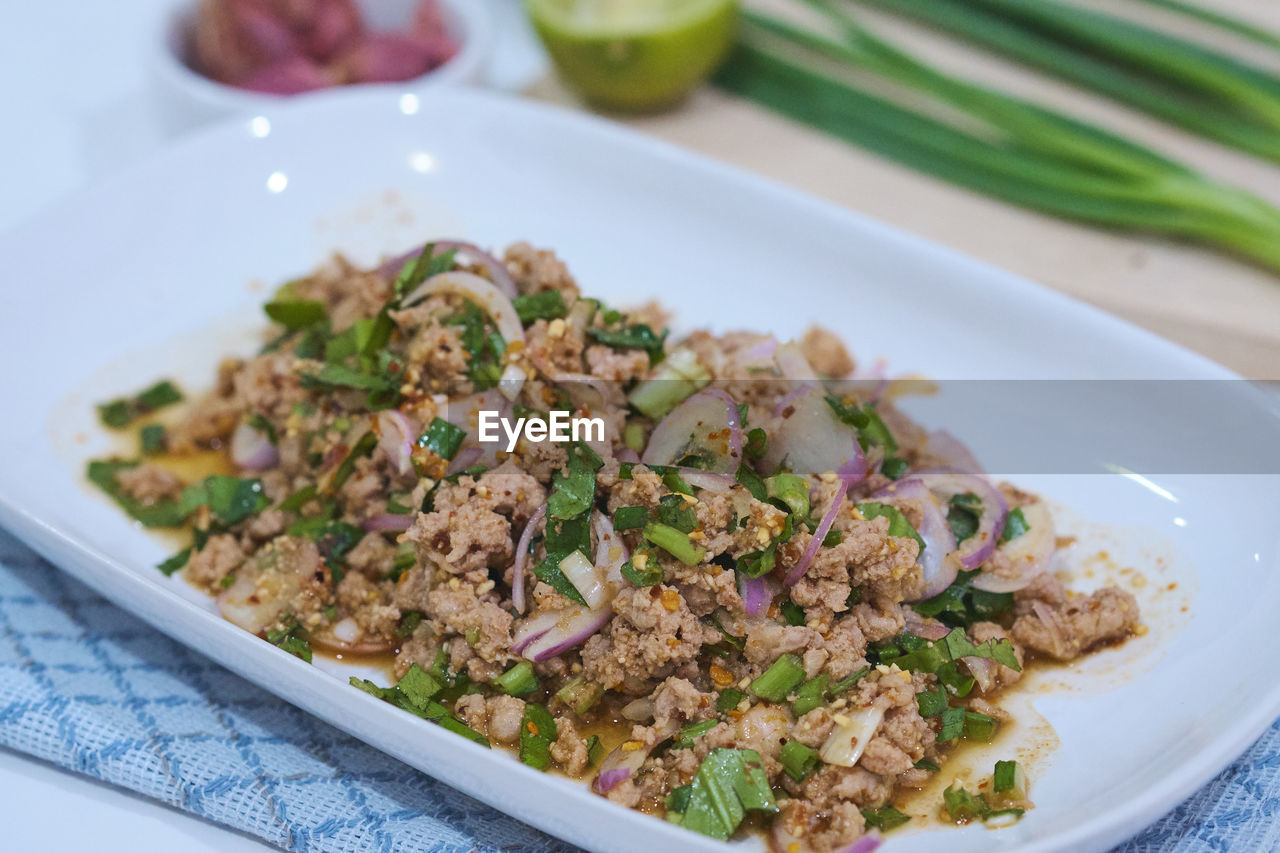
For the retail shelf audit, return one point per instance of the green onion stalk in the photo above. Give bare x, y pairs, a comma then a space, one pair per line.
1206, 92
987, 141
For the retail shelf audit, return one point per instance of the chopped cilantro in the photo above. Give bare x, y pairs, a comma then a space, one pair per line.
1014, 525
545, 305
163, 513
537, 733
963, 515
442, 438
123, 411
728, 784
151, 439
573, 490
230, 499
885, 818
629, 517
729, 698
898, 524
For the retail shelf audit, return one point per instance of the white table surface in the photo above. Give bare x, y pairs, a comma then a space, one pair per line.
74, 94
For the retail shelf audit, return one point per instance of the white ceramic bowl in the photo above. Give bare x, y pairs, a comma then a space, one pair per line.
188, 99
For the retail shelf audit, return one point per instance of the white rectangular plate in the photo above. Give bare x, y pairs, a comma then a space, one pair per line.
159, 272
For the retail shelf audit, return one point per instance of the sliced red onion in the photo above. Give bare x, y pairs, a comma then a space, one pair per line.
574, 627
617, 767
626, 454
522, 557
395, 439
1029, 556
756, 597
386, 522
252, 450
611, 551
928, 629
866, 844
707, 421
496, 269
937, 565
489, 298
586, 579
807, 437
983, 672
815, 541
464, 459
384, 58
717, 483
552, 632
945, 484
951, 452
758, 357
792, 364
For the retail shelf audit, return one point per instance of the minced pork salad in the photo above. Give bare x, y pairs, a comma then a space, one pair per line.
762, 599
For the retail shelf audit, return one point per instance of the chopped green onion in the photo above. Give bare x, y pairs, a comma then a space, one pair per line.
296, 314
1010, 780
686, 736
517, 681
1004, 147
791, 491
980, 726
675, 379
776, 682
798, 760
675, 543
812, 694
580, 695
633, 436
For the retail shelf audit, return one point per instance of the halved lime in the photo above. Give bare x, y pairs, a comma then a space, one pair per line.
634, 54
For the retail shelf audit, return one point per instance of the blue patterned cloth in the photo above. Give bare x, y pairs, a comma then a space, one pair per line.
90, 688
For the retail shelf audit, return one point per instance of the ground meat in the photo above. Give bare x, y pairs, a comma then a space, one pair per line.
617, 365
149, 483
485, 625
826, 353
569, 750
270, 384
651, 636
369, 605
883, 567
464, 541
373, 556
219, 556
677, 701
437, 354
1068, 630
536, 270
768, 641
503, 715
